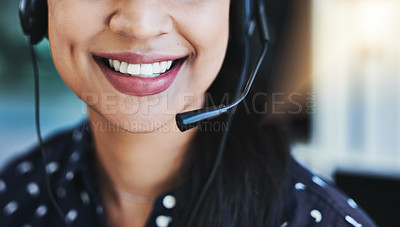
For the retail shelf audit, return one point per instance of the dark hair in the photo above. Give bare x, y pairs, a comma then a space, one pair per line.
246, 188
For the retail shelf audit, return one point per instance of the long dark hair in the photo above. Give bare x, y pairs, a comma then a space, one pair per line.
247, 185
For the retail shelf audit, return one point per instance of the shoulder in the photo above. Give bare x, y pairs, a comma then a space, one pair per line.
30, 162
23, 193
314, 201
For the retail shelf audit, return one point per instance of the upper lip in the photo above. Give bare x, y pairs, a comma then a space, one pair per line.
133, 58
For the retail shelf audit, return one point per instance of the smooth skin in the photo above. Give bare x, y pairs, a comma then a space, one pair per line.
138, 146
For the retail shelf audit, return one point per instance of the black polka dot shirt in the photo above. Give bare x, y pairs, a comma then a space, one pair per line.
24, 201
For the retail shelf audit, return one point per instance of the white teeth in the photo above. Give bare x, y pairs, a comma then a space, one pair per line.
146, 69
169, 63
111, 63
124, 67
134, 69
163, 66
156, 68
141, 70
116, 64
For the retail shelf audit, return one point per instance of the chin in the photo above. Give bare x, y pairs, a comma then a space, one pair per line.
133, 123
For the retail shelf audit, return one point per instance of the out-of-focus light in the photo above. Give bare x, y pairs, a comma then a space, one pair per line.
356, 76
375, 20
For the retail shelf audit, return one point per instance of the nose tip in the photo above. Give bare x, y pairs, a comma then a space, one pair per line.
140, 20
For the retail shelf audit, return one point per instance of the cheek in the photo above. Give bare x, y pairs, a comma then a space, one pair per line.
209, 29
208, 33
74, 21
71, 26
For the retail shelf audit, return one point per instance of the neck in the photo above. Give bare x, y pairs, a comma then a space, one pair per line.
142, 164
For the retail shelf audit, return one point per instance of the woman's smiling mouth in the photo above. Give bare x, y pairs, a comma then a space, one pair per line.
139, 75
140, 70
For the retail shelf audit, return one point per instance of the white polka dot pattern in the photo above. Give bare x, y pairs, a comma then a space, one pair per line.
285, 224
52, 167
299, 186
69, 175
24, 167
351, 220
318, 181
71, 215
99, 210
352, 203
41, 210
33, 189
3, 186
163, 221
77, 134
316, 214
75, 156
10, 208
85, 198
169, 201
311, 201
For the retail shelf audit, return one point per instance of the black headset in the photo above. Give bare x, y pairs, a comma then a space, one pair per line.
248, 15
33, 17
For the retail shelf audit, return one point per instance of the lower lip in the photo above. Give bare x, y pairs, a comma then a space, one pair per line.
136, 86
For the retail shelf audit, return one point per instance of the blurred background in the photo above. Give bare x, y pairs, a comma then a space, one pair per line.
59, 107
340, 57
